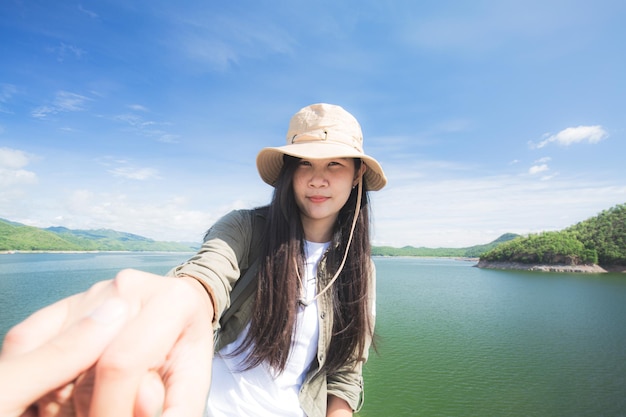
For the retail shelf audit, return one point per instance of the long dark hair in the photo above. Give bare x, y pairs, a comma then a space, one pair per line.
275, 306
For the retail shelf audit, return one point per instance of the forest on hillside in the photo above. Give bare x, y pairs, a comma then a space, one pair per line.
18, 237
598, 240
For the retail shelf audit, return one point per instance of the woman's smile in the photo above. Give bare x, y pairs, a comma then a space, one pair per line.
318, 198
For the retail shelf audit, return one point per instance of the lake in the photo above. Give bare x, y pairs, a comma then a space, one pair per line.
453, 340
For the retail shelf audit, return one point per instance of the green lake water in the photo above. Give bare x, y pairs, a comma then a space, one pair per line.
453, 340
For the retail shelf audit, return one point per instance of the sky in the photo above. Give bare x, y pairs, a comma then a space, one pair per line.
488, 117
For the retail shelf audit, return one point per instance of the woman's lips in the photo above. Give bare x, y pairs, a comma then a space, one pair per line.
318, 198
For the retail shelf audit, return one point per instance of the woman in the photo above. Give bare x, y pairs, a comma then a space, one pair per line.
290, 294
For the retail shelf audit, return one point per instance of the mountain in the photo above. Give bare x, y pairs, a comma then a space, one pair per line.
468, 252
16, 236
600, 240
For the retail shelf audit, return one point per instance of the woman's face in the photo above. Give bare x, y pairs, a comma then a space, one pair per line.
321, 188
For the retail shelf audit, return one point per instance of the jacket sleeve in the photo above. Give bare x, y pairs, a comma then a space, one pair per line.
347, 383
222, 257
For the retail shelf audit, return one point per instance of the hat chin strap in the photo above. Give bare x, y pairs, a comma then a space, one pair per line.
357, 211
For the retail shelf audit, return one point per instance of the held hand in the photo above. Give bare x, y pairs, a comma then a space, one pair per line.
26, 378
167, 332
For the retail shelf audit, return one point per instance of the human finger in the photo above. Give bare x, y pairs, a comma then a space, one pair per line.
188, 379
57, 403
150, 396
149, 401
83, 391
46, 323
28, 377
35, 330
148, 342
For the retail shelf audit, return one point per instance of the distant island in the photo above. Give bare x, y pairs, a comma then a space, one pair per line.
595, 245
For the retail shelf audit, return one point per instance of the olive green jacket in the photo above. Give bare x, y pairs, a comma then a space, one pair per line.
229, 252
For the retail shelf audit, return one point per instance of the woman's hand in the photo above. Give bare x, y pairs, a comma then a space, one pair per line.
165, 331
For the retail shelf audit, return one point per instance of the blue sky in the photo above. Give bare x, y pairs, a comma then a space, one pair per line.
488, 116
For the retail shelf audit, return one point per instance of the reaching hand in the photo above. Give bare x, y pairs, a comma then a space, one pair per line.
128, 346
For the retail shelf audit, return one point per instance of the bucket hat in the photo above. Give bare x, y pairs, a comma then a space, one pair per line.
321, 131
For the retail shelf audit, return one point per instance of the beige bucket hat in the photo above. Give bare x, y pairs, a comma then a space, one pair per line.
321, 131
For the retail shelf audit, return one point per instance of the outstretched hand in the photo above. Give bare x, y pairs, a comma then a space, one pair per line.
126, 347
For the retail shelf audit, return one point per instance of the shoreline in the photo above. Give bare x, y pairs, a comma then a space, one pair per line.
584, 269
517, 266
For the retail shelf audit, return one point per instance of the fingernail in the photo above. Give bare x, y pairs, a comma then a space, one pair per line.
109, 311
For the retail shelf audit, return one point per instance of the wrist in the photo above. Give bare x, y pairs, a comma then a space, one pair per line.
205, 291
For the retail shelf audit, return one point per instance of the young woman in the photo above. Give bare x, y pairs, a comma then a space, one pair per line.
288, 290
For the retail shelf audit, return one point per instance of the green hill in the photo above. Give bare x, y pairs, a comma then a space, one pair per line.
469, 252
16, 236
599, 240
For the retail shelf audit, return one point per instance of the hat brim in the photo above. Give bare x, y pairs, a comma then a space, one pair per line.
269, 161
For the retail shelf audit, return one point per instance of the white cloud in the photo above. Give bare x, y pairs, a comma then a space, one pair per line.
6, 92
64, 50
571, 135
64, 101
171, 220
216, 42
89, 13
132, 120
12, 162
166, 137
140, 174
147, 128
536, 169
137, 107
549, 177
13, 158
12, 177
434, 211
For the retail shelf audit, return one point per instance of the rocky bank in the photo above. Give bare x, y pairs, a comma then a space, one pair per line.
588, 269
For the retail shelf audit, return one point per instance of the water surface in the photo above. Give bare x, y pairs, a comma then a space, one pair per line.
454, 340
461, 341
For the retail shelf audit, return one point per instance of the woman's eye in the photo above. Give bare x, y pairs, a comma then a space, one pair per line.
305, 163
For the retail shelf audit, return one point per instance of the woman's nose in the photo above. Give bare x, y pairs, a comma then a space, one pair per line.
318, 178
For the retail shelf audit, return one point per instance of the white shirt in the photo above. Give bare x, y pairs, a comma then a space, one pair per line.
261, 391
